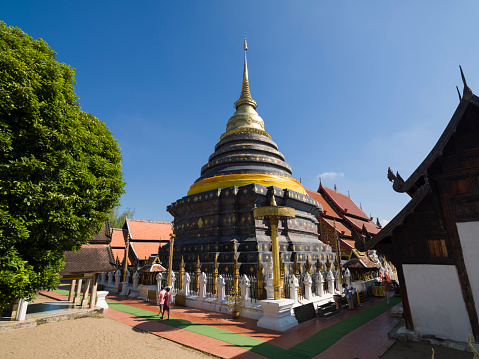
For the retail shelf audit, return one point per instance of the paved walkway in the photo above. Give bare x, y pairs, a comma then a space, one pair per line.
361, 333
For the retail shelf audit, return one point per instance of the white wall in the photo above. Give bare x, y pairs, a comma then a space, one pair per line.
469, 236
436, 301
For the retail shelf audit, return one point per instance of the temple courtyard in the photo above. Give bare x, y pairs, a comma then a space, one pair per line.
132, 326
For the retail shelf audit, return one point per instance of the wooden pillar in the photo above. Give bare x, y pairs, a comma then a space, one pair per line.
71, 295
93, 291
86, 290
77, 299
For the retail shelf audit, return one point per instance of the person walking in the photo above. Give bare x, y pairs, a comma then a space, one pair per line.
349, 296
167, 303
161, 302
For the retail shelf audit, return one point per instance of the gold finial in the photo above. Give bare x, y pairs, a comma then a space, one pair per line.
245, 97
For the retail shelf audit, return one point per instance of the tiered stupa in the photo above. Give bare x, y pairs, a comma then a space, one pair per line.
215, 219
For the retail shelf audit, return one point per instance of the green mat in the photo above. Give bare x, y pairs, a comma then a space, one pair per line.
308, 348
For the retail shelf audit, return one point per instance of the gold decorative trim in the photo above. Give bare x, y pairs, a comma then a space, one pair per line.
245, 129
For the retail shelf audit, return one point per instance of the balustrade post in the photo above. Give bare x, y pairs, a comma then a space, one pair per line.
293, 288
220, 284
117, 278
136, 278
244, 287
330, 279
202, 283
319, 284
186, 284
307, 286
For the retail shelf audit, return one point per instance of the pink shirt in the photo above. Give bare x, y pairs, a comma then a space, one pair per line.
161, 297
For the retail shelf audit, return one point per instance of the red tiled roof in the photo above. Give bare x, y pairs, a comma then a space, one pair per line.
327, 209
339, 227
349, 243
118, 238
120, 253
344, 203
144, 249
369, 225
149, 230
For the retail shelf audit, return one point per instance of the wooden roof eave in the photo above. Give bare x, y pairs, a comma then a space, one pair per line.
415, 179
387, 231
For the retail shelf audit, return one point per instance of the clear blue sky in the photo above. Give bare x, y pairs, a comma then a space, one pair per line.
346, 87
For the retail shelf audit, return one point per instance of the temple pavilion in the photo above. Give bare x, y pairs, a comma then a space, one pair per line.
214, 222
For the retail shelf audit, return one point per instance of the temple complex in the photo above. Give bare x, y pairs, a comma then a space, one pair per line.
214, 222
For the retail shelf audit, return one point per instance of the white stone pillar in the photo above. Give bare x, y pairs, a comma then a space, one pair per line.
347, 277
100, 301
220, 287
117, 278
22, 309
136, 278
186, 284
319, 284
338, 283
269, 281
202, 281
110, 279
330, 279
103, 278
308, 282
244, 285
293, 288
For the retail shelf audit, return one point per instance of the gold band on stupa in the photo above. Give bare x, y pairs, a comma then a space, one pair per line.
239, 180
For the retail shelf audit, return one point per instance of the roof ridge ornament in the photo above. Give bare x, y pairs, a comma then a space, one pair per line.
459, 94
245, 97
466, 92
398, 182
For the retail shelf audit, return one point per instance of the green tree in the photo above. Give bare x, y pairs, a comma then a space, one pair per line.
117, 219
60, 171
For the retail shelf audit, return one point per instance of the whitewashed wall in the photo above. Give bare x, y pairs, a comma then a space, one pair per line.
469, 236
436, 301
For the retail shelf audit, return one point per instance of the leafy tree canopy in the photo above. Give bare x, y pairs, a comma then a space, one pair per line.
117, 219
60, 172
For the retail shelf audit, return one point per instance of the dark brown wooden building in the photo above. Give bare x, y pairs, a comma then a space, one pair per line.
434, 240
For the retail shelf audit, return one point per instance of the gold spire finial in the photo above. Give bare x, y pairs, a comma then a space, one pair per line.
245, 97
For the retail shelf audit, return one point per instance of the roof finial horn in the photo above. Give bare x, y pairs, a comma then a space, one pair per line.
466, 92
459, 94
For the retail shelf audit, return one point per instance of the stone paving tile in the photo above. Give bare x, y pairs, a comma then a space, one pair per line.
367, 342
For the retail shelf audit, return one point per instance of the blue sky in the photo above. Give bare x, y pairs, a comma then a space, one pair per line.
345, 88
